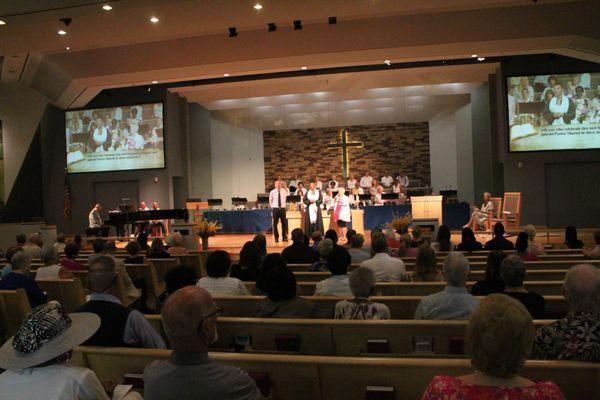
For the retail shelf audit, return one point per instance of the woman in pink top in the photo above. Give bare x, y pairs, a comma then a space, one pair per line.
499, 338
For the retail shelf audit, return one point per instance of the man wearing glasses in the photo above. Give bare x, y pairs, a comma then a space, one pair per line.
189, 318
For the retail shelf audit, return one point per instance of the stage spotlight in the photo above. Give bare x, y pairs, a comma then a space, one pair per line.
272, 26
297, 25
233, 32
332, 20
2, 22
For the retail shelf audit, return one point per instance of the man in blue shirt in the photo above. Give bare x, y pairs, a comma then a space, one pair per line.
19, 278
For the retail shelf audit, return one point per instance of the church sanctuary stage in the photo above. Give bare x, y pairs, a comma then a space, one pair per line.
454, 215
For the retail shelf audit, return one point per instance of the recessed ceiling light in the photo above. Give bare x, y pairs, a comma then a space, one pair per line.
480, 58
2, 22
67, 48
61, 32
387, 62
473, 55
258, 6
154, 20
226, 75
106, 7
155, 82
304, 68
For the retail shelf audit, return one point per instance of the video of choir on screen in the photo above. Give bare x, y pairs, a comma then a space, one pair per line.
353, 188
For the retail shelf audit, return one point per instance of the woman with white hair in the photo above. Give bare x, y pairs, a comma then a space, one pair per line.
341, 213
176, 247
362, 283
533, 247
480, 215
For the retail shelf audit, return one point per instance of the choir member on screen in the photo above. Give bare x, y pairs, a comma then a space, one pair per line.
560, 109
341, 212
313, 221
100, 135
525, 92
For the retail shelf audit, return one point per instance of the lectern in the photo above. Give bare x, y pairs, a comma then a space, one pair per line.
427, 207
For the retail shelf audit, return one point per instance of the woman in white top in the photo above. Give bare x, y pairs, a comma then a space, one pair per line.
51, 268
218, 282
525, 91
351, 183
341, 213
318, 183
398, 187
480, 215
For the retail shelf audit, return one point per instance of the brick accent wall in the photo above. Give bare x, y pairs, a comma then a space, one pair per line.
391, 147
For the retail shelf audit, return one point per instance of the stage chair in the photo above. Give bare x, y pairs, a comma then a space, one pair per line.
14, 307
511, 211
496, 214
69, 292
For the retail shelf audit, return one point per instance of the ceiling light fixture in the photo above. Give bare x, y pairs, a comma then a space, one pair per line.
154, 20
258, 6
387, 62
233, 31
225, 75
106, 7
62, 33
480, 58
67, 48
474, 56
272, 26
2, 22
297, 25
304, 68
154, 82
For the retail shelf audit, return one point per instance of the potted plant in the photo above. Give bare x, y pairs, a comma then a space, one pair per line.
400, 224
207, 229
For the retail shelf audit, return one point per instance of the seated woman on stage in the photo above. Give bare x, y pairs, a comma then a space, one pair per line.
497, 358
479, 216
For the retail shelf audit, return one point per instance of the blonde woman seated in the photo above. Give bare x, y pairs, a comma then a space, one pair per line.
362, 283
426, 269
480, 215
499, 338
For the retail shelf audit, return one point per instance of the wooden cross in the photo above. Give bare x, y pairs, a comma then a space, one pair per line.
344, 144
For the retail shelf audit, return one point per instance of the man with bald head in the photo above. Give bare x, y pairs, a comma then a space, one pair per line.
119, 325
577, 336
189, 318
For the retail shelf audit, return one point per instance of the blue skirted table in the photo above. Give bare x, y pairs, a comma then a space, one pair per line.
454, 215
247, 221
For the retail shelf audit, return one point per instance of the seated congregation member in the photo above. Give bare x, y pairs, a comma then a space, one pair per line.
51, 269
492, 281
21, 240
271, 261
332, 234
442, 240
522, 248
480, 215
468, 242
19, 278
282, 300
577, 336
98, 248
513, 274
356, 252
593, 253
384, 267
60, 244
119, 326
362, 283
454, 302
36, 357
426, 269
157, 249
417, 239
218, 282
499, 242
34, 246
249, 265
404, 249
338, 261
323, 249
261, 242
571, 240
189, 317
533, 247
298, 252
177, 245
10, 252
316, 237
134, 288
133, 249
498, 340
178, 277
70, 260
351, 233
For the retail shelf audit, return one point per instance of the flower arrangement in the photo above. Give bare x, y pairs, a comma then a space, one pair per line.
208, 228
400, 223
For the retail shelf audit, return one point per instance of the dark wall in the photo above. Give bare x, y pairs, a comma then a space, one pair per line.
527, 172
153, 185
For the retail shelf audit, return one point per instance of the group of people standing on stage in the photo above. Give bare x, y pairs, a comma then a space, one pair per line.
335, 198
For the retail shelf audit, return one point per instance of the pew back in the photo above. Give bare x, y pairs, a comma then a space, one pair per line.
14, 306
69, 292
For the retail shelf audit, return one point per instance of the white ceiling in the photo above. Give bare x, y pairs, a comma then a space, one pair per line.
342, 99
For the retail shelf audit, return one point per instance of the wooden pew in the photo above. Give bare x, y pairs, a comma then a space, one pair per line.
332, 378
191, 260
155, 286
337, 337
401, 307
14, 307
69, 292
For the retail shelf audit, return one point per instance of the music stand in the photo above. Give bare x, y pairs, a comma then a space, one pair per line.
215, 202
389, 196
292, 198
334, 193
262, 200
364, 197
239, 201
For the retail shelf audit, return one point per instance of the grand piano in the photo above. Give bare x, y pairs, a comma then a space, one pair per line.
122, 218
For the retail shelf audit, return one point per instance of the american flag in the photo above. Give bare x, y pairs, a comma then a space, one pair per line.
67, 199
